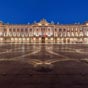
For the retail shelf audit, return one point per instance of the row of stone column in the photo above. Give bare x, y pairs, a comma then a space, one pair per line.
48, 31
61, 34
47, 40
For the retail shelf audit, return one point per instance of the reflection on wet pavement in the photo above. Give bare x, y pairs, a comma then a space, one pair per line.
38, 65
42, 53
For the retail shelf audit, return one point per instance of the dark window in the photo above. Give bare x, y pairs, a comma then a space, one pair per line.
60, 30
55, 30
49, 30
22, 30
14, 29
64, 30
17, 30
37, 30
10, 30
30, 30
5, 29
26, 30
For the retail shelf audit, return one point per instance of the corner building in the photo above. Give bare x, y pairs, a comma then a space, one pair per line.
44, 32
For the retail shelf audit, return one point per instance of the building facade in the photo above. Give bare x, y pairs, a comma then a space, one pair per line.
44, 32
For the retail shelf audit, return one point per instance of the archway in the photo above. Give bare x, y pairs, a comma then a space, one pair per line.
43, 39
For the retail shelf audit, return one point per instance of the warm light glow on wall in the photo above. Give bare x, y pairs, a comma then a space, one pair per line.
51, 33
87, 24
19, 38
23, 38
58, 39
1, 39
27, 38
46, 38
34, 39
12, 39
46, 24
16, 38
87, 33
0, 33
39, 24
40, 39
51, 38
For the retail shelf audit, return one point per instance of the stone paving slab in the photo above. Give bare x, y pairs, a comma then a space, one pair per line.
68, 71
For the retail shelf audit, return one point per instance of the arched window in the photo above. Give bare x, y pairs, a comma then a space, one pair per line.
5, 29
10, 29
22, 30
60, 30
14, 29
26, 30
64, 29
37, 30
18, 30
30, 29
68, 29
55, 30
49, 29
76, 29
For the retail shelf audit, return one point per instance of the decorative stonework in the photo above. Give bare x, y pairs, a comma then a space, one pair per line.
44, 32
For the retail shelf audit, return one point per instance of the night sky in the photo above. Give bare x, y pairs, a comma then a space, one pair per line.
28, 11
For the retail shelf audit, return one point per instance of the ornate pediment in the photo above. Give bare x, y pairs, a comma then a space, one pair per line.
43, 22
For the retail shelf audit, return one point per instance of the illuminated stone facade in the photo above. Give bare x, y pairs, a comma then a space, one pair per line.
44, 32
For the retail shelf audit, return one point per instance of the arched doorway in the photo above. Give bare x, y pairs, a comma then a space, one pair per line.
64, 40
68, 40
43, 39
55, 40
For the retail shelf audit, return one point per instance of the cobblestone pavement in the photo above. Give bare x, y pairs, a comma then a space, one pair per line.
21, 64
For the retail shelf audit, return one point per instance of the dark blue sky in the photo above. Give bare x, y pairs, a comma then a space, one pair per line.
62, 11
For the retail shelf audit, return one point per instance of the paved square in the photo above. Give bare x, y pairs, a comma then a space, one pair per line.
43, 66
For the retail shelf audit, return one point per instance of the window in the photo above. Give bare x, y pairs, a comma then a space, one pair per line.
26, 30
13, 29
17, 30
30, 30
64, 30
22, 30
10, 30
60, 30
55, 30
5, 29
37, 30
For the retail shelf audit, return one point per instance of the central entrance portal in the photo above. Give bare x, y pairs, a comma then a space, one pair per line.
43, 39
